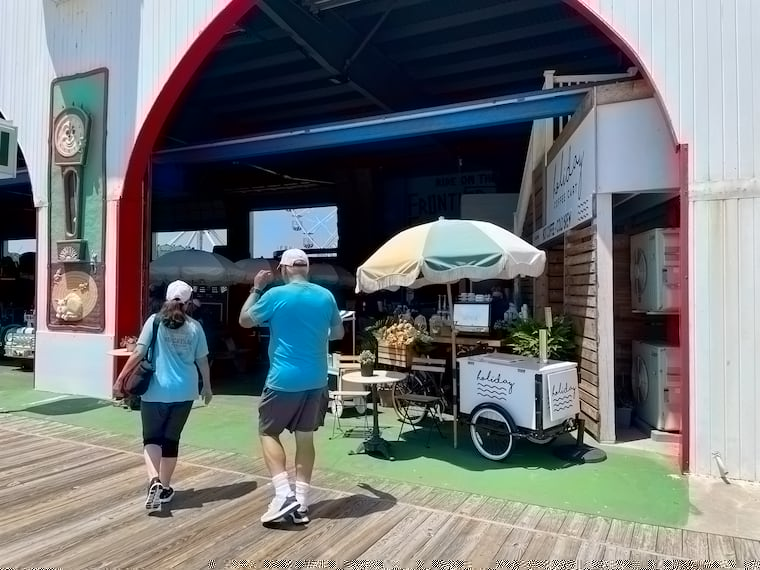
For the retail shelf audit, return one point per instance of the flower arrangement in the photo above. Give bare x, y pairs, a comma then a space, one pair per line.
129, 342
398, 333
367, 363
366, 357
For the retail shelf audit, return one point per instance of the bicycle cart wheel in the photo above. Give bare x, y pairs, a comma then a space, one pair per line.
537, 441
361, 406
336, 407
414, 384
491, 430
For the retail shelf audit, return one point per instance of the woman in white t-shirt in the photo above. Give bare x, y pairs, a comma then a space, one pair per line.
179, 352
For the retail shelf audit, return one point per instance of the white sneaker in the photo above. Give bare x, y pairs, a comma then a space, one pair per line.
279, 508
153, 499
300, 516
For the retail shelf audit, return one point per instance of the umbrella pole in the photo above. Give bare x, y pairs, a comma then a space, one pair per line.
453, 366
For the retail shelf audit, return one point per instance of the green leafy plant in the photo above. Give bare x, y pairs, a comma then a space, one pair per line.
523, 338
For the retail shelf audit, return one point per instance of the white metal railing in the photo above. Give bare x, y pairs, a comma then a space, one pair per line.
545, 132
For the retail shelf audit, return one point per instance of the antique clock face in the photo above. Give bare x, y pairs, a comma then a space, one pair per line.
69, 135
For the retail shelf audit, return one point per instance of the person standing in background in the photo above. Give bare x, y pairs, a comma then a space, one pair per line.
302, 318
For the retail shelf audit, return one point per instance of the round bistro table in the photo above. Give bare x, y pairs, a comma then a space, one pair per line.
375, 443
120, 352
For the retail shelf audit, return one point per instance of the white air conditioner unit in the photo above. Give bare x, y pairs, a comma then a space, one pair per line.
655, 271
8, 149
656, 383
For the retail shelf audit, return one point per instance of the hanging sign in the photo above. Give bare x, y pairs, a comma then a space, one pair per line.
8, 149
570, 183
429, 197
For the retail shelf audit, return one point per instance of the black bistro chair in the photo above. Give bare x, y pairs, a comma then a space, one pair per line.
425, 397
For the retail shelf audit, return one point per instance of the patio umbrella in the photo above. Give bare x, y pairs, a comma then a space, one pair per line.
196, 266
444, 252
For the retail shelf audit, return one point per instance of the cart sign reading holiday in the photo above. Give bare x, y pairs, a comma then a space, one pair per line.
570, 183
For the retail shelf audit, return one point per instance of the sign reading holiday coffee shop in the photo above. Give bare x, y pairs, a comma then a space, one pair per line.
570, 183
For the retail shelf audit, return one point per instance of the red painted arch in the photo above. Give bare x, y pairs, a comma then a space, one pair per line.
133, 253
133, 209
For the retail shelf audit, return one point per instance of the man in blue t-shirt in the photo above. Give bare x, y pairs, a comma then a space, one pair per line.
302, 318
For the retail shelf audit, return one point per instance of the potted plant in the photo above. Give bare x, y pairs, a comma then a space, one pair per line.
129, 343
523, 338
367, 363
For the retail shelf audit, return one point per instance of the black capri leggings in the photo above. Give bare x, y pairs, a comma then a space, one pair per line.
162, 424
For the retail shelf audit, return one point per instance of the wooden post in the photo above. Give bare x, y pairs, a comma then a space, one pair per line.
605, 317
455, 390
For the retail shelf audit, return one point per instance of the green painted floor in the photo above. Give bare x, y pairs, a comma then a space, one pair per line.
631, 485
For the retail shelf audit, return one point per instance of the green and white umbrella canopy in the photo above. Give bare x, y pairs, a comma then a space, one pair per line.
446, 251
196, 267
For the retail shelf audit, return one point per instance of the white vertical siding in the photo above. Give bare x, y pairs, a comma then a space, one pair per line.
705, 62
25, 70
140, 42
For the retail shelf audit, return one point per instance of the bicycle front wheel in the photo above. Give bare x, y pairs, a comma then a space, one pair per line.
414, 384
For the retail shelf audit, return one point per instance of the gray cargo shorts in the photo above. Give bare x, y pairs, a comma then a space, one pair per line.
295, 411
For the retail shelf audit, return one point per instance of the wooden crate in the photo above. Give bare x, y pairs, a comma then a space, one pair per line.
392, 356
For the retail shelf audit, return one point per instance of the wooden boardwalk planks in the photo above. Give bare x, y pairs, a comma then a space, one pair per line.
79, 505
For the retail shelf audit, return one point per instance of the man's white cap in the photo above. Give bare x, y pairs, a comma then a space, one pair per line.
294, 257
179, 291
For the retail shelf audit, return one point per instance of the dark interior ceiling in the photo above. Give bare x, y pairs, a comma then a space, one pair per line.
285, 66
293, 63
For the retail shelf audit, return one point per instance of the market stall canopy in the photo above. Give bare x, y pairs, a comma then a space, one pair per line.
196, 267
329, 274
446, 251
250, 267
322, 273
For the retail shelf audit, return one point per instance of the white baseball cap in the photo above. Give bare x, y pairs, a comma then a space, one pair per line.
179, 291
294, 257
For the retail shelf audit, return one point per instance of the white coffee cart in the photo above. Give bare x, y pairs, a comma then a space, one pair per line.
504, 397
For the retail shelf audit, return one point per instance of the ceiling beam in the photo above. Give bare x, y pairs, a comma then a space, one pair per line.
246, 103
543, 51
466, 116
330, 41
285, 56
444, 23
602, 64
502, 38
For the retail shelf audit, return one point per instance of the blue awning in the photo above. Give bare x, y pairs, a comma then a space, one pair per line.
22, 179
525, 107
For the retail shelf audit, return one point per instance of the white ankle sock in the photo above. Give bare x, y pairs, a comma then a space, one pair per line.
302, 494
281, 485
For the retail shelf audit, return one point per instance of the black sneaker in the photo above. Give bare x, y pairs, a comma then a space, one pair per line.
167, 494
153, 500
300, 516
279, 508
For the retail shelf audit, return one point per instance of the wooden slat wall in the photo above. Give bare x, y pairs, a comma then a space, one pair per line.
580, 305
535, 291
549, 289
628, 325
